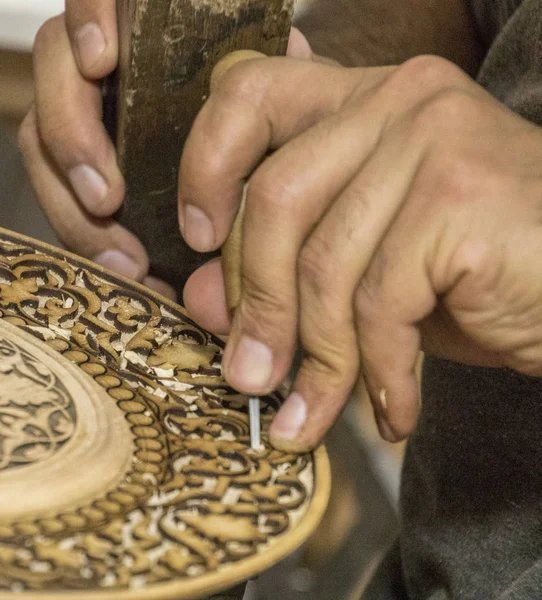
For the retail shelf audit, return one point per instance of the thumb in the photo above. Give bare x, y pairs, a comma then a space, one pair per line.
229, 61
298, 46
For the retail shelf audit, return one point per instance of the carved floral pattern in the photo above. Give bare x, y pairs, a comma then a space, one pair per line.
196, 498
37, 414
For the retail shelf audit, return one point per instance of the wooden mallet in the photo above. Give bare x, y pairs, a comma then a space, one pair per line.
168, 50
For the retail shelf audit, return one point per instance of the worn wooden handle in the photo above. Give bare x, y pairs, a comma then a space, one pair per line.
232, 252
167, 51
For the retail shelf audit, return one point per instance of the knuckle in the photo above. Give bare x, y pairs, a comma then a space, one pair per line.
332, 366
333, 361
266, 309
199, 163
316, 266
427, 72
244, 84
367, 303
273, 194
482, 259
68, 141
330, 345
457, 179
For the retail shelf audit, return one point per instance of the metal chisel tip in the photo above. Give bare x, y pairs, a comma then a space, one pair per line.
254, 416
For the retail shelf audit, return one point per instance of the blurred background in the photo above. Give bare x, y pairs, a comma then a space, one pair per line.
19, 22
361, 521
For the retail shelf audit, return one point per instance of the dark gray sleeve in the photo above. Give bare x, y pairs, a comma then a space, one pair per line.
471, 494
491, 16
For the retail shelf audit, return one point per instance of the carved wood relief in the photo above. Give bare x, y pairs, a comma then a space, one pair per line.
129, 454
37, 414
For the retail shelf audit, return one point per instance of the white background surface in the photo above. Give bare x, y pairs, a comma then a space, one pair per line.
21, 19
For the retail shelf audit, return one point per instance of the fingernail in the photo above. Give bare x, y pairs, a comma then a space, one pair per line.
383, 399
290, 418
386, 432
90, 44
117, 261
89, 186
251, 366
197, 229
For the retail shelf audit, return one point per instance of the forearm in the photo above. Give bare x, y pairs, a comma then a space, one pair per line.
380, 32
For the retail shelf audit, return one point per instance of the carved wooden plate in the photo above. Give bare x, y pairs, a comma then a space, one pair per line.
125, 463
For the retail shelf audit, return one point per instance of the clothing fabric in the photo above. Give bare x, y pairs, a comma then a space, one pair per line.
471, 498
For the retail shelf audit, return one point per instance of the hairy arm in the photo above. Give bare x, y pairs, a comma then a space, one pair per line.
382, 32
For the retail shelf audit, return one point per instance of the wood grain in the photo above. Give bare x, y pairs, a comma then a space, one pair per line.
167, 51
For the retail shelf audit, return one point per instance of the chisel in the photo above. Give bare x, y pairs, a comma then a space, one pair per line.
232, 269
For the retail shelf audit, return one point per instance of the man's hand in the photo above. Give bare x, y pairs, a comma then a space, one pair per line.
401, 206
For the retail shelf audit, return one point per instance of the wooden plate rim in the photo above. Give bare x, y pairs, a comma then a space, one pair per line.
222, 579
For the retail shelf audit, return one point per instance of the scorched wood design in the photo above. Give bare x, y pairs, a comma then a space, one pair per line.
37, 414
189, 499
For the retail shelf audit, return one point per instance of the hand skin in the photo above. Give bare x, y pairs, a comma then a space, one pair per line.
67, 152
72, 163
399, 211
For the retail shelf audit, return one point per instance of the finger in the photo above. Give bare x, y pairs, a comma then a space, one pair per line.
69, 120
287, 196
299, 47
259, 104
229, 61
205, 300
395, 293
332, 262
160, 286
390, 352
101, 240
92, 29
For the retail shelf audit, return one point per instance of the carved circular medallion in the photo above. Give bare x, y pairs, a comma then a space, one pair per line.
54, 420
125, 460
37, 410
